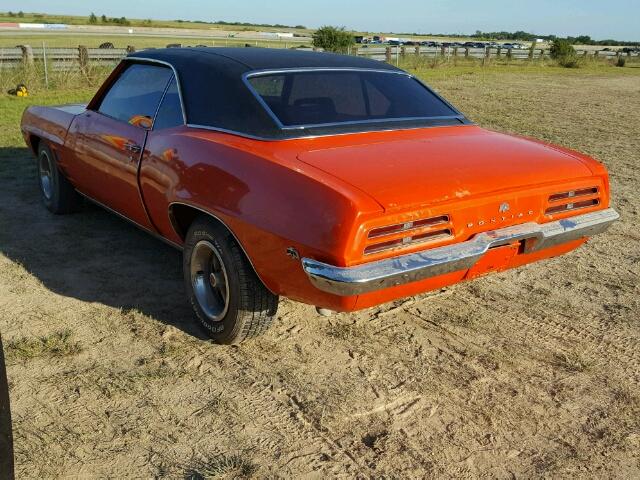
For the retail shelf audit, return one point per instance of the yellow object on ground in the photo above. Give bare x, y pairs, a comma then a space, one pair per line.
19, 91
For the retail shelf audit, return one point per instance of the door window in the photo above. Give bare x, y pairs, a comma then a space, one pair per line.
135, 95
170, 111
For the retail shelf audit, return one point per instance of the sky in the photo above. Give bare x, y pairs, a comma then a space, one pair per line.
617, 19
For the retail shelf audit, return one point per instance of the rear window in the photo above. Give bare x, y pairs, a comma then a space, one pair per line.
329, 97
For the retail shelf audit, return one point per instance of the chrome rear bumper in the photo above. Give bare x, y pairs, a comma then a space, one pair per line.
404, 269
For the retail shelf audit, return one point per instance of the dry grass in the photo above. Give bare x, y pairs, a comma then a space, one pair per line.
222, 466
532, 373
59, 344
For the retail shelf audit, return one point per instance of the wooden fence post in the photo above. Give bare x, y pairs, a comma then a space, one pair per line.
403, 51
487, 52
355, 51
499, 52
542, 54
466, 52
595, 54
27, 54
417, 50
509, 53
83, 56
585, 53
443, 51
131, 49
455, 51
387, 54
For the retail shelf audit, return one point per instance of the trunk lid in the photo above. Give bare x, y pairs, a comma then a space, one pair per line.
419, 168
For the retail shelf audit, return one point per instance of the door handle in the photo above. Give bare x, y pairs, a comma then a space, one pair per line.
132, 147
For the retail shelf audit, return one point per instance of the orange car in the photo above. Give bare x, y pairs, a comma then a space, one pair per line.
332, 180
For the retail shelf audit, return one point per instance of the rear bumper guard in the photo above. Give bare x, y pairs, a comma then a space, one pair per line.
370, 277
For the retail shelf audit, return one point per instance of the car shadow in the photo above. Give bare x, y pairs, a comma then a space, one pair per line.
92, 255
6, 432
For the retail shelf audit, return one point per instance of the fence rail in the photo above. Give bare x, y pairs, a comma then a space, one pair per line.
390, 54
62, 59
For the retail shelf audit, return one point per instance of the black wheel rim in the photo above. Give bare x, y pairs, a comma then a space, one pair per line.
209, 281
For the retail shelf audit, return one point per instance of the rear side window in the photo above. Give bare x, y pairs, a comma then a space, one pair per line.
136, 94
170, 111
335, 96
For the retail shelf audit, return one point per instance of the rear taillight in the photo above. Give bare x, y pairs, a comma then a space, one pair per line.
408, 233
573, 200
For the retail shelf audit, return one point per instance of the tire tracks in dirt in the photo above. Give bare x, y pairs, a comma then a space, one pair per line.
281, 411
610, 346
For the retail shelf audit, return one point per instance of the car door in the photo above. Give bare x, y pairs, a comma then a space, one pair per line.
111, 138
162, 169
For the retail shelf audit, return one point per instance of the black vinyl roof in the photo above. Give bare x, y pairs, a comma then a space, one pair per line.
252, 58
215, 95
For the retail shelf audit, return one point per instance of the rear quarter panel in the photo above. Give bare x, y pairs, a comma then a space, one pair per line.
268, 199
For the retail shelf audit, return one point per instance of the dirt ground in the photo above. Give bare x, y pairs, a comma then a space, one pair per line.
532, 373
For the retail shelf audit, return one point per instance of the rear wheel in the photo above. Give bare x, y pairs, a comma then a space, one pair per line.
230, 301
58, 194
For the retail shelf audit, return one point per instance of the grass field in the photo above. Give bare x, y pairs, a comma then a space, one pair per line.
532, 373
140, 41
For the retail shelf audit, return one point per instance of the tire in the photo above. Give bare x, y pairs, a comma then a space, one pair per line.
58, 195
228, 298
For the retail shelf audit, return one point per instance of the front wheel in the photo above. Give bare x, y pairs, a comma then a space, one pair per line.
230, 301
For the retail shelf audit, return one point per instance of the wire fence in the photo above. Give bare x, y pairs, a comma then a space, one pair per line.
55, 66
80, 57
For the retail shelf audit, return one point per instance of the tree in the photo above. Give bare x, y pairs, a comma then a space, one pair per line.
564, 53
21, 14
583, 40
333, 39
561, 48
93, 19
104, 19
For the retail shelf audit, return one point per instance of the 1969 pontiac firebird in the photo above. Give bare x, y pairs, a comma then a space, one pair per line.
335, 181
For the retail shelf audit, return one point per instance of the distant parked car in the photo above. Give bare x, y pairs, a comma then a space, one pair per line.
174, 45
106, 45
